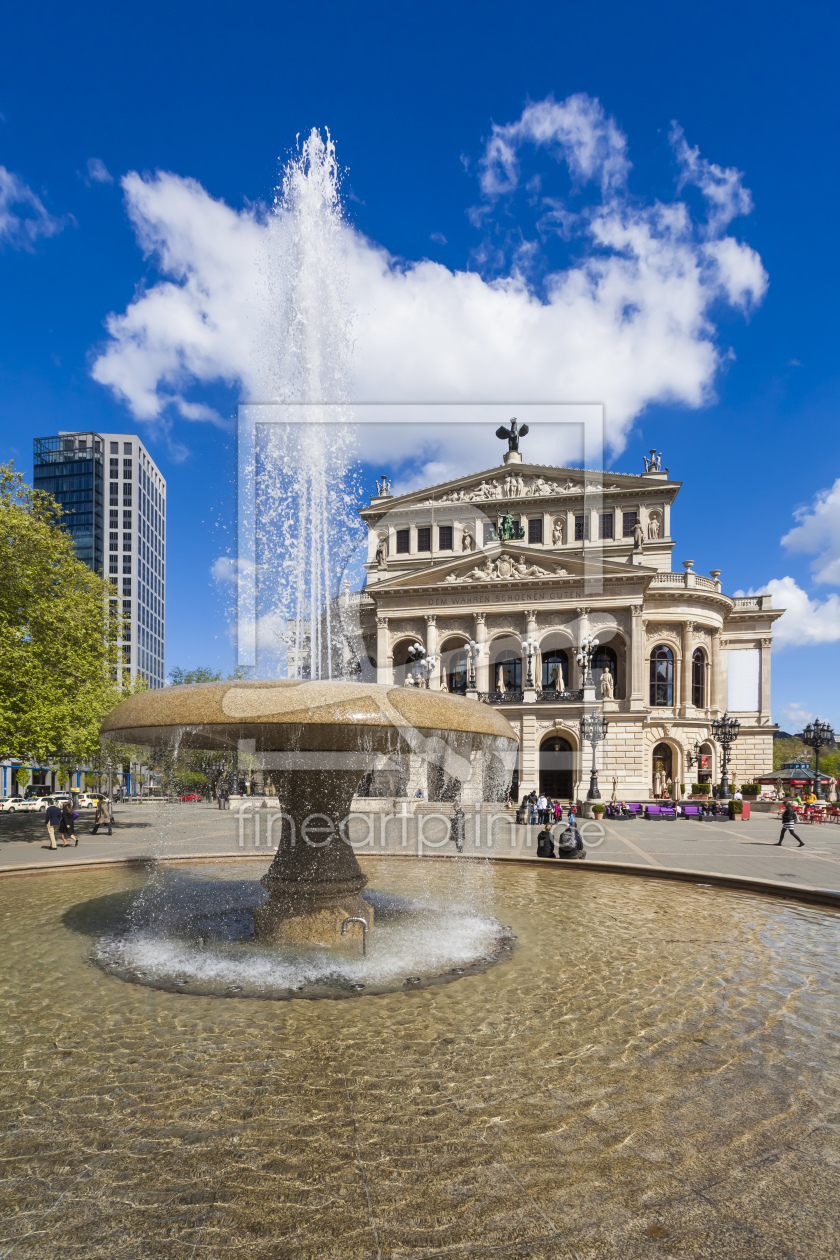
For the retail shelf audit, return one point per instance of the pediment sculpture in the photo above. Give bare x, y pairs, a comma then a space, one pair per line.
513, 486
504, 569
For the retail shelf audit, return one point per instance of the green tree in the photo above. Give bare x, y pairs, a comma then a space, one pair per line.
184, 677
23, 776
60, 655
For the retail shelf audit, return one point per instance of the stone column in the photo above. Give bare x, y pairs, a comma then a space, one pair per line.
384, 656
482, 665
431, 650
530, 693
766, 645
717, 698
685, 688
637, 657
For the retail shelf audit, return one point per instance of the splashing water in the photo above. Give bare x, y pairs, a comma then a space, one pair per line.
305, 481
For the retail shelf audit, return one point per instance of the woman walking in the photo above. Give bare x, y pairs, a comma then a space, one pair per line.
67, 825
788, 824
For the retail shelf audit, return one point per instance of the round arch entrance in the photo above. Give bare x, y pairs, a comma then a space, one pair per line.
557, 760
663, 762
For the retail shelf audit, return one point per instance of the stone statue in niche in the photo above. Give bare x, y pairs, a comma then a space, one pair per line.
467, 541
382, 552
653, 525
607, 684
638, 536
558, 533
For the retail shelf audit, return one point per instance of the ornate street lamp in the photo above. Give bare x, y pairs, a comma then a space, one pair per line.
725, 730
529, 647
473, 653
818, 735
585, 653
424, 665
692, 759
594, 729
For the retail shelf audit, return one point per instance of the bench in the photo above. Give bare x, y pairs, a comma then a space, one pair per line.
691, 811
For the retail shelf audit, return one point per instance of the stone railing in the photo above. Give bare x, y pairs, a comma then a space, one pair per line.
698, 581
500, 697
560, 697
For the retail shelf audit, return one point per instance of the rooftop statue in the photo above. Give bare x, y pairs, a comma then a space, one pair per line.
512, 434
654, 464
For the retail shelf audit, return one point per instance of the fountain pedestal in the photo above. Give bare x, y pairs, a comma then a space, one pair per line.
315, 880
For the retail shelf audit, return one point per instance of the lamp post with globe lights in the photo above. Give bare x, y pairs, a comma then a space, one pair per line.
593, 728
424, 664
584, 656
725, 730
473, 653
529, 647
818, 735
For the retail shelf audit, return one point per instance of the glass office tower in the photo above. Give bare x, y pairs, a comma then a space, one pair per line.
113, 500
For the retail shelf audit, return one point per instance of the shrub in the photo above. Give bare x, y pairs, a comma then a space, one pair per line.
735, 807
754, 789
700, 789
599, 808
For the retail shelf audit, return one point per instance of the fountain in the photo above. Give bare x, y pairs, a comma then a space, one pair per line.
318, 739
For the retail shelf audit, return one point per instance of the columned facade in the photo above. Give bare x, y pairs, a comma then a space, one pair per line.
552, 555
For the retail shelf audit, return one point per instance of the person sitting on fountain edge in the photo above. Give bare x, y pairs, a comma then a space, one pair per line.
570, 844
545, 843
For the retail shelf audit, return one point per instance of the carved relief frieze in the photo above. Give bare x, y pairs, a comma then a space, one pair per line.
405, 627
513, 485
662, 630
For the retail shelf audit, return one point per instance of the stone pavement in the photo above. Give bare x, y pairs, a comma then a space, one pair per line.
737, 849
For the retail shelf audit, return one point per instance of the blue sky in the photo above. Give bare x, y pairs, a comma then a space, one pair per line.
421, 104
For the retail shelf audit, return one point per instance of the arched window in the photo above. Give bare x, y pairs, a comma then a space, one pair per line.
555, 670
453, 661
605, 656
698, 679
507, 671
661, 676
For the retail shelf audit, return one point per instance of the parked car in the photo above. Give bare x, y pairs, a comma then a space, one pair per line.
10, 803
32, 805
191, 796
89, 800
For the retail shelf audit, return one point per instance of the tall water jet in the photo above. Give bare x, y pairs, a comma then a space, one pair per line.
306, 525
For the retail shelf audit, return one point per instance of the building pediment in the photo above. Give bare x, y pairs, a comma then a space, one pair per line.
509, 563
516, 481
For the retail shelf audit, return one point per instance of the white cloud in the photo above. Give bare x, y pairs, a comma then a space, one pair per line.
628, 322
818, 533
725, 196
23, 216
576, 131
797, 716
98, 172
805, 621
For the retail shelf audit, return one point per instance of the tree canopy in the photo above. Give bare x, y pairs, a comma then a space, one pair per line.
60, 653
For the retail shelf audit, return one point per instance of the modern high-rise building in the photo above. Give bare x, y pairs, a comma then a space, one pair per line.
113, 499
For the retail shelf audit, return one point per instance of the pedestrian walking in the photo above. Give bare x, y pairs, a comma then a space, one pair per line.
104, 817
788, 824
458, 828
52, 818
67, 826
